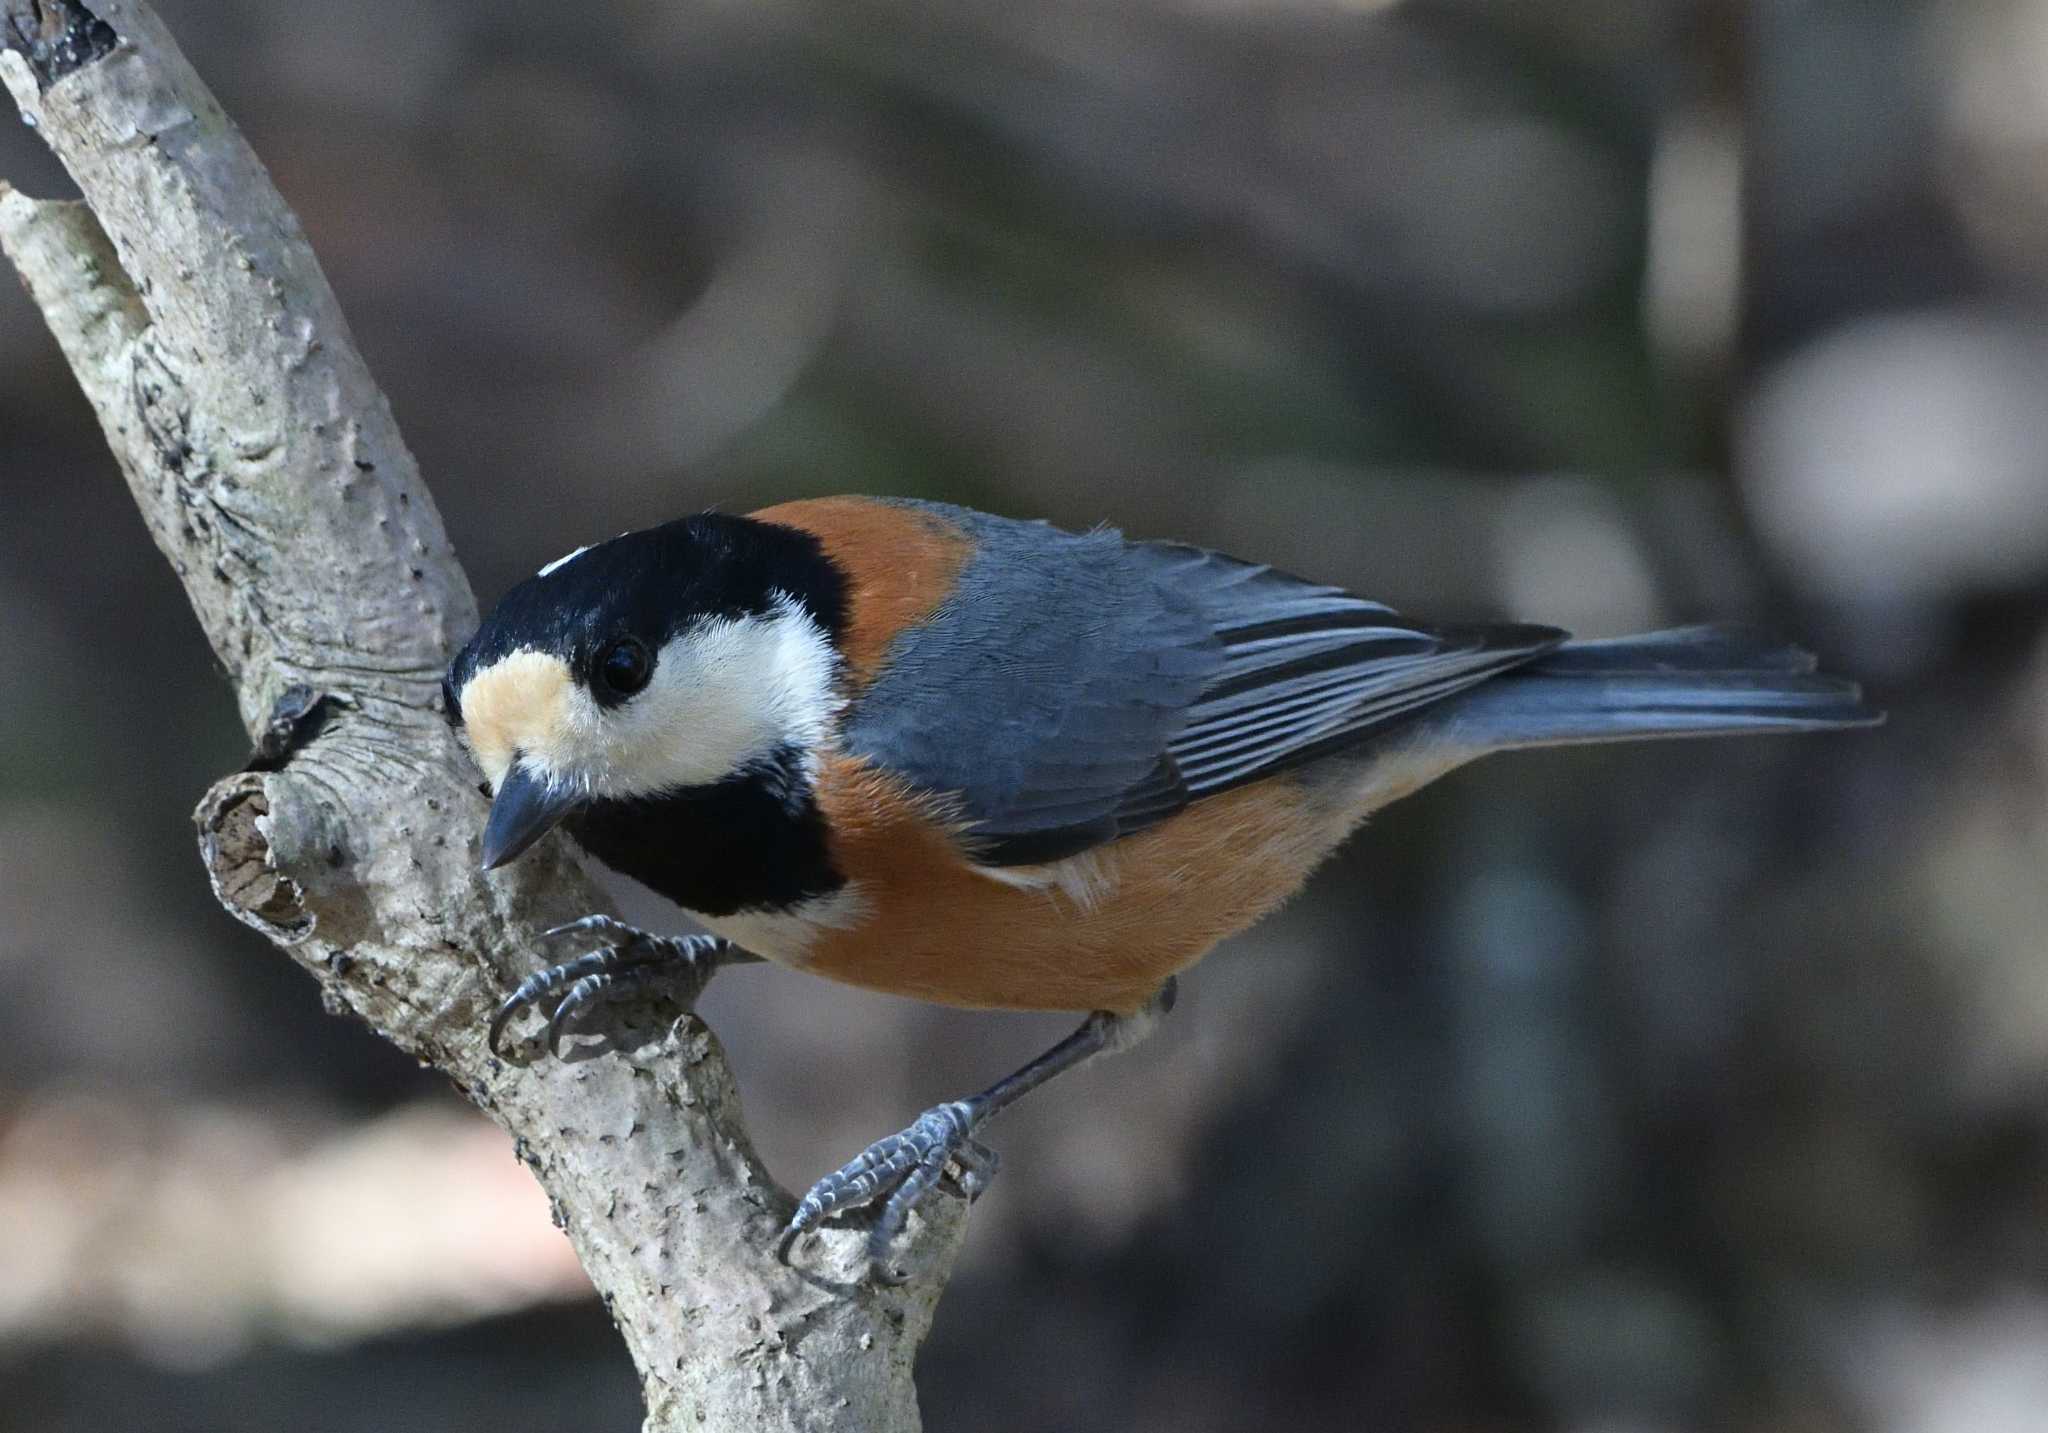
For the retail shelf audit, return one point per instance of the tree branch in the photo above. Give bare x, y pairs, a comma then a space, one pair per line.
271, 473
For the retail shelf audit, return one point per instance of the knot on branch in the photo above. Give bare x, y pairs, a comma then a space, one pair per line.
234, 842
57, 36
235, 399
297, 716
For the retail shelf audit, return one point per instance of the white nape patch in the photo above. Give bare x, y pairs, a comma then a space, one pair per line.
725, 693
787, 936
1087, 880
563, 561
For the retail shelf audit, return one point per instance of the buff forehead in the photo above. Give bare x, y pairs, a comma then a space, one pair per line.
520, 703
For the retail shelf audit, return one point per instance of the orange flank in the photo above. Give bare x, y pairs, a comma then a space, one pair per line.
936, 927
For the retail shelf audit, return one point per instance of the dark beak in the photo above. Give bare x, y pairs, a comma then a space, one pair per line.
525, 810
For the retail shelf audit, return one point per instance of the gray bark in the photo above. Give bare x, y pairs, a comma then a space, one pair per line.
271, 473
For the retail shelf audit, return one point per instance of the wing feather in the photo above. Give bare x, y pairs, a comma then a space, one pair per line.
1081, 687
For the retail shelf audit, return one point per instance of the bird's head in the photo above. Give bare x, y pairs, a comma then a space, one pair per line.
676, 657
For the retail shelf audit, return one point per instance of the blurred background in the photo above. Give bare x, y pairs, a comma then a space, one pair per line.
1631, 1091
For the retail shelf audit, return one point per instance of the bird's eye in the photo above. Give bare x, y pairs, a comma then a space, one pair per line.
625, 666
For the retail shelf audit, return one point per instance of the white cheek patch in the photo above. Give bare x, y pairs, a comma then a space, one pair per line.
724, 694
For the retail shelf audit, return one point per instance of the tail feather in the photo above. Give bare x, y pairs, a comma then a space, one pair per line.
1690, 681
1711, 647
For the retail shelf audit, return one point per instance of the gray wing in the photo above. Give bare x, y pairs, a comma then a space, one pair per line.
1081, 687
1308, 669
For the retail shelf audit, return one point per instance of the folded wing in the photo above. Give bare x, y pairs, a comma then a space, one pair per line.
1081, 687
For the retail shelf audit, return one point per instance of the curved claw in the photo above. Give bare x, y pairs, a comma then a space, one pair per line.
573, 1001
909, 1194
904, 1167
631, 962
531, 991
609, 926
507, 1009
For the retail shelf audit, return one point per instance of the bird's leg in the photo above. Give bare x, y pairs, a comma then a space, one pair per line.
631, 965
905, 1166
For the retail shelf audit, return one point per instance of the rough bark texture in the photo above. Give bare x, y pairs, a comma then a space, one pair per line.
270, 471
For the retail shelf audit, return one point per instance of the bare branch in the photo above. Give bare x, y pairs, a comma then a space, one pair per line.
272, 475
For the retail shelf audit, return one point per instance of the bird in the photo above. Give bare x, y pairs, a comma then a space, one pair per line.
995, 764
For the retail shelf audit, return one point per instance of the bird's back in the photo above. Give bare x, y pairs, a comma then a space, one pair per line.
1077, 762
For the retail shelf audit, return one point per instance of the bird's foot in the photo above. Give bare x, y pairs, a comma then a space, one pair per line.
632, 965
905, 1167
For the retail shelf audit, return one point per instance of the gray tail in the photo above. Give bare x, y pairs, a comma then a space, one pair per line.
1690, 681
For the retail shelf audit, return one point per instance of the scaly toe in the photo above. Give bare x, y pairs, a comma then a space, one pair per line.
632, 965
904, 1167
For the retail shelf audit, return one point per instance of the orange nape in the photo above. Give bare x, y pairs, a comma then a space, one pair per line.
900, 565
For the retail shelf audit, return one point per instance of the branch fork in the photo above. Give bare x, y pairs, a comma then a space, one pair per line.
272, 475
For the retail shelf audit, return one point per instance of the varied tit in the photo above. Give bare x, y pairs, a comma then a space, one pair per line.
993, 764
